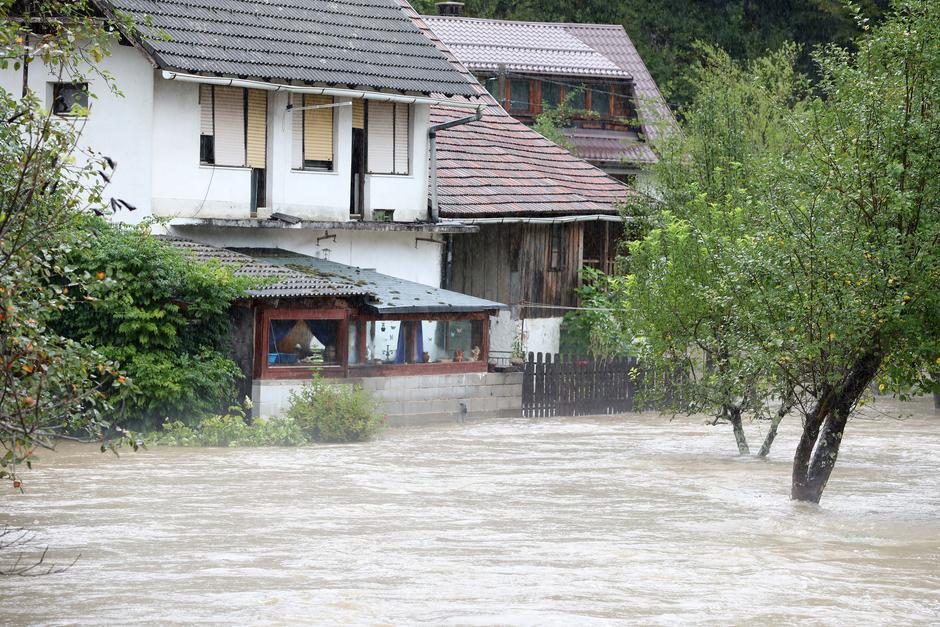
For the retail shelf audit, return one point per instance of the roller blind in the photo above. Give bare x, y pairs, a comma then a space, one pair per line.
229, 126
358, 114
205, 109
402, 137
381, 137
297, 134
318, 129
257, 128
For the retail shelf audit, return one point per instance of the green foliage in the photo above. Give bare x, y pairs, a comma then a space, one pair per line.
597, 329
230, 429
796, 251
162, 316
551, 120
335, 413
50, 384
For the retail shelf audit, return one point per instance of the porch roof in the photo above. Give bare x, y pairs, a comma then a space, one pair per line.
285, 282
389, 295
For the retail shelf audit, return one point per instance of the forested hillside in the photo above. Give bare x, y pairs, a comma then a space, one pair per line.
665, 31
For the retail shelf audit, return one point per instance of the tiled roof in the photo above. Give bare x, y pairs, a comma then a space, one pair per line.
609, 146
530, 47
388, 294
584, 50
351, 43
286, 283
612, 41
499, 167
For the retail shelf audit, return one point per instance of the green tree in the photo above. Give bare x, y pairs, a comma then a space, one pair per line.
51, 385
160, 314
816, 271
680, 298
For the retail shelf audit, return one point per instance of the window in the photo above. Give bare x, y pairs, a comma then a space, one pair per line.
551, 94
400, 342
557, 254
232, 126
575, 97
297, 342
67, 95
600, 100
389, 133
312, 132
519, 101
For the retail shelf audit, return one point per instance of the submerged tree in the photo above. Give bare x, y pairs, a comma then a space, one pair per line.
814, 270
681, 295
853, 270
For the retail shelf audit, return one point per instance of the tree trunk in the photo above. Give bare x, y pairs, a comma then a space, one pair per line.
785, 408
734, 417
823, 428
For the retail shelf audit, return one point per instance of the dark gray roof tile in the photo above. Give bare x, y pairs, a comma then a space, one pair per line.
368, 44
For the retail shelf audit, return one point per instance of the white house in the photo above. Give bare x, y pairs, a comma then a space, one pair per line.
234, 113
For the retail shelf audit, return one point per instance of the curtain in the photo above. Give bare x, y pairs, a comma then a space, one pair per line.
278, 331
324, 331
400, 350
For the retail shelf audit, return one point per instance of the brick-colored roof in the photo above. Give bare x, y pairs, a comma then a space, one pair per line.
613, 147
582, 50
500, 167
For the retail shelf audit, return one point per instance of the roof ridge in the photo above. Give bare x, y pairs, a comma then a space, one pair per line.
458, 18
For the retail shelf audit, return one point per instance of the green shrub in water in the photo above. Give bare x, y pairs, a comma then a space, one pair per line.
230, 430
335, 413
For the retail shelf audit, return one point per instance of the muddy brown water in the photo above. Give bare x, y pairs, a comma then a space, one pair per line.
627, 519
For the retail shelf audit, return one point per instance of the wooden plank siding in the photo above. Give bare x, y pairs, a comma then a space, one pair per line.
511, 264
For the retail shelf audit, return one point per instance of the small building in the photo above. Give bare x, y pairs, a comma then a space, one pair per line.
543, 214
527, 66
421, 350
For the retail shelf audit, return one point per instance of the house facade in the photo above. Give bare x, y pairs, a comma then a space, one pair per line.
528, 66
344, 134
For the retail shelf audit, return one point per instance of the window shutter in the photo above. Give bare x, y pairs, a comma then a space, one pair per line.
381, 137
358, 114
205, 110
402, 137
229, 126
318, 129
297, 133
257, 127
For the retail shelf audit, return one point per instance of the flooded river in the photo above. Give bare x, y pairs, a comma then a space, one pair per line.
628, 519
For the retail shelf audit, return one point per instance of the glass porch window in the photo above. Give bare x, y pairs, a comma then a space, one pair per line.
400, 342
293, 343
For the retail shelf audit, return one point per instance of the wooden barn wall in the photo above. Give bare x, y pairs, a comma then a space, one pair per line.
510, 263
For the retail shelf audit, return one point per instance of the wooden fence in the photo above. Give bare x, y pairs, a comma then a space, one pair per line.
577, 386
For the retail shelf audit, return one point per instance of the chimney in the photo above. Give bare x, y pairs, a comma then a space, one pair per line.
449, 8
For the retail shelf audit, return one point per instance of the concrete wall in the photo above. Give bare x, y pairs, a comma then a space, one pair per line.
396, 253
117, 126
417, 400
539, 335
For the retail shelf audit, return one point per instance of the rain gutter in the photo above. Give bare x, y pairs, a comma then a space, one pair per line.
432, 136
324, 91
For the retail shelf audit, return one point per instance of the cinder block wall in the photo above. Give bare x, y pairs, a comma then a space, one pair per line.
419, 399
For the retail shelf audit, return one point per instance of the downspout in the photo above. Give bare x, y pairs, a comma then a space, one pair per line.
432, 136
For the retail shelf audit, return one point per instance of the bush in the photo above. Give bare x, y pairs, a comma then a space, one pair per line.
230, 430
335, 413
162, 315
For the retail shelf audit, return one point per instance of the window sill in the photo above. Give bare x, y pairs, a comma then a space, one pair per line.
212, 166
312, 171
